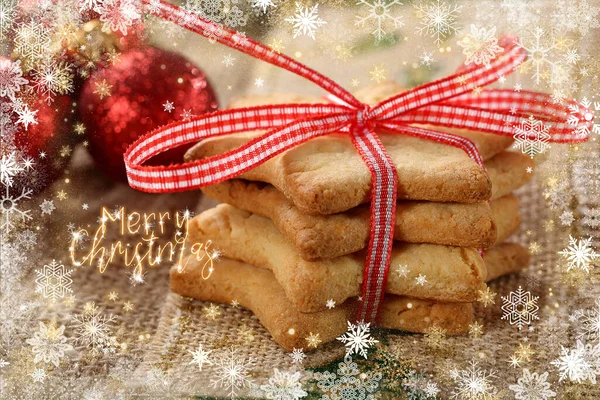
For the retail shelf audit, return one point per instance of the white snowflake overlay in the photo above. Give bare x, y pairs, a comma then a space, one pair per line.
520, 307
357, 339
94, 329
11, 78
379, 15
200, 357
9, 168
473, 383
306, 20
480, 46
590, 322
579, 254
532, 386
118, 15
232, 372
437, 19
49, 344
574, 120
580, 363
348, 383
531, 137
9, 207
283, 385
53, 281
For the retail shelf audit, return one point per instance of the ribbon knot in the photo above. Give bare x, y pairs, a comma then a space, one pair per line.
449, 102
363, 115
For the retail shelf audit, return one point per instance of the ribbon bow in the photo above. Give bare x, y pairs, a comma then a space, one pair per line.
457, 101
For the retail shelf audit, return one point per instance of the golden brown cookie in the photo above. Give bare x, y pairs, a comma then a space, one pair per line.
504, 259
426, 271
326, 175
328, 236
257, 290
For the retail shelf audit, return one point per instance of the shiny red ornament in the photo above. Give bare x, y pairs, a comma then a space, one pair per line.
48, 144
126, 100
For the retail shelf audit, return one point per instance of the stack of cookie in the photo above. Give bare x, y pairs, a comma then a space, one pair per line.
293, 232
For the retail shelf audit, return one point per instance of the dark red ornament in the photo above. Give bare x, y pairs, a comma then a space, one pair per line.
126, 100
48, 143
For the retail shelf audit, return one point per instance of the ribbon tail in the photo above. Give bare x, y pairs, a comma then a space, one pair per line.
383, 220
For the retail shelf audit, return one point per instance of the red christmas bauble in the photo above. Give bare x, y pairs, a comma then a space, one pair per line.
42, 150
146, 89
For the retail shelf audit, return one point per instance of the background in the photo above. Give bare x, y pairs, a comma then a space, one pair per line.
69, 331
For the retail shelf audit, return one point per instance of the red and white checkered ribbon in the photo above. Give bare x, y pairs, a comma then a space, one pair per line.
456, 101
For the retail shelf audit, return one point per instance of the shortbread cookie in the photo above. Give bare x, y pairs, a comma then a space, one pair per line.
326, 175
452, 274
504, 259
488, 144
328, 236
257, 290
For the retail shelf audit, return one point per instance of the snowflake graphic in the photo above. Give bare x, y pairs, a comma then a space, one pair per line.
200, 357
435, 337
9, 167
520, 308
8, 205
416, 385
532, 386
531, 137
519, 12
117, 15
540, 54
567, 218
38, 375
437, 20
579, 363
306, 21
574, 119
8, 11
94, 329
32, 41
358, 338
11, 78
47, 206
348, 382
168, 106
221, 11
426, 58
590, 321
379, 15
297, 356
263, 4
579, 254
283, 386
228, 60
591, 217
473, 383
26, 115
575, 16
49, 344
235, 17
52, 78
480, 46
54, 281
232, 372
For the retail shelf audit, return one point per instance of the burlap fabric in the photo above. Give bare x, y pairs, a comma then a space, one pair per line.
163, 328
